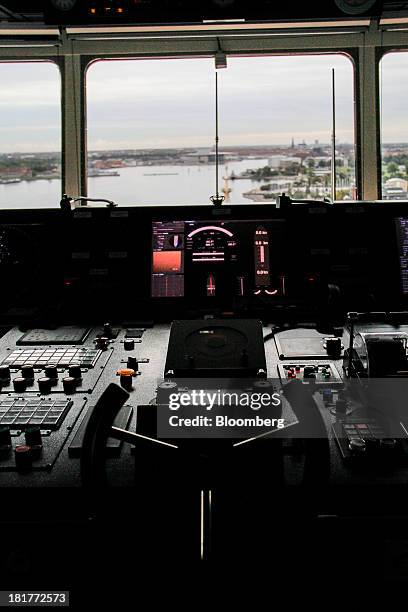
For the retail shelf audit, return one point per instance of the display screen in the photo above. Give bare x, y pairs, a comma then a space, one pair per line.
209, 259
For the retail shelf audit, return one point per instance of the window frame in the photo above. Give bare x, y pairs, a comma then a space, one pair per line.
88, 61
381, 54
58, 62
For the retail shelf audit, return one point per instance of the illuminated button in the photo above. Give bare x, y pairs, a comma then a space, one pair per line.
126, 377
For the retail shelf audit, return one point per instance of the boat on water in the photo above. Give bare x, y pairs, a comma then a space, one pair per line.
94, 173
9, 181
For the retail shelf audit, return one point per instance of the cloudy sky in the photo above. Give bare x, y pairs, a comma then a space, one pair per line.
170, 103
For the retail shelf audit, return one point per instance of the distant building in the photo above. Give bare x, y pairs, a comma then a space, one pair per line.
205, 156
16, 172
397, 183
282, 162
319, 160
395, 189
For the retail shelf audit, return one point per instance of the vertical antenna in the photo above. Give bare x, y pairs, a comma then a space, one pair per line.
217, 137
333, 164
218, 199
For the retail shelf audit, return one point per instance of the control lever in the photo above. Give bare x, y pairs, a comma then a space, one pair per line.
96, 434
99, 429
312, 429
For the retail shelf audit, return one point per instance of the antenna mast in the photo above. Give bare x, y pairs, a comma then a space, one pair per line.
333, 164
218, 199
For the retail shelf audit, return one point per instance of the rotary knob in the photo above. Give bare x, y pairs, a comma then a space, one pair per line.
33, 439
129, 344
107, 330
164, 390
126, 378
33, 436
341, 406
4, 374
75, 370
44, 384
132, 363
5, 442
309, 372
69, 383
357, 446
27, 372
51, 371
102, 343
333, 347
20, 384
388, 444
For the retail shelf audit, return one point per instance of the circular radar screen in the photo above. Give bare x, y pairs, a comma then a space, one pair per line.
355, 7
213, 344
19, 265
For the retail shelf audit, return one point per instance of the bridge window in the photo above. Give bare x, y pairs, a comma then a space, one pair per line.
30, 134
394, 126
151, 129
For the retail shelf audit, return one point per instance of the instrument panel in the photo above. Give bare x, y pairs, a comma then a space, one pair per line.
167, 262
141, 269
216, 260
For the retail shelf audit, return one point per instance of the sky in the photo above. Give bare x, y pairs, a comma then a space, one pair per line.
170, 103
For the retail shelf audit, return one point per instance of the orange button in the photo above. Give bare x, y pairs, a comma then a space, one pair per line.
126, 372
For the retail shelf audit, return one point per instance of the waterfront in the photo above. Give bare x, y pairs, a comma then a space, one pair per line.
151, 185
